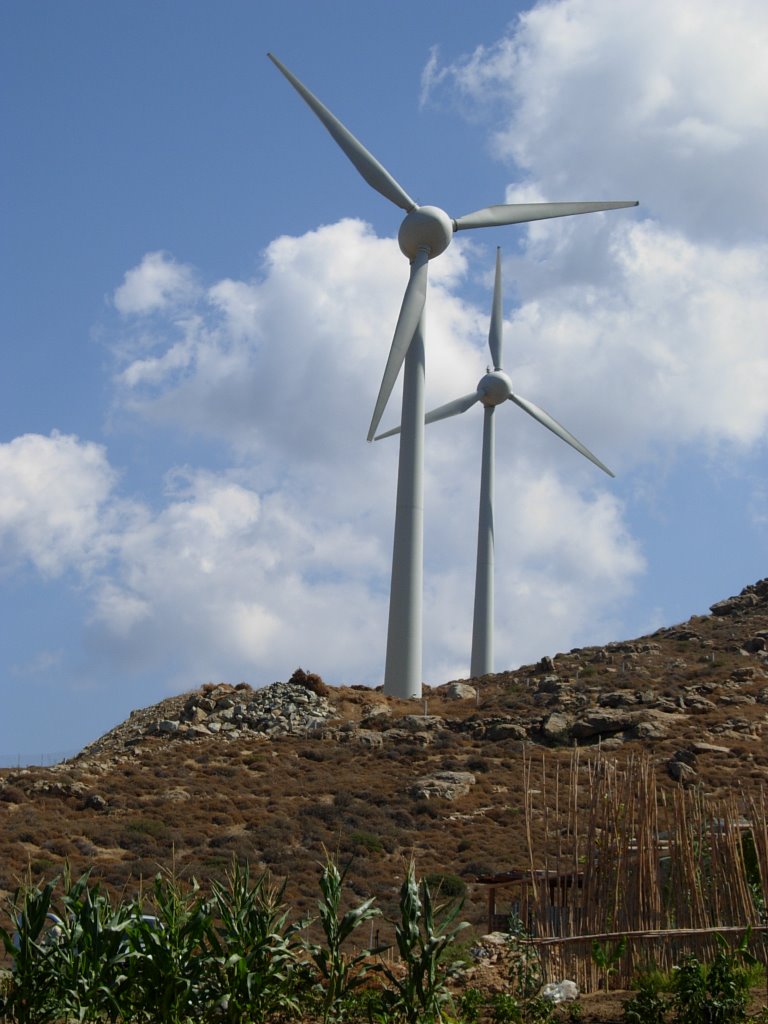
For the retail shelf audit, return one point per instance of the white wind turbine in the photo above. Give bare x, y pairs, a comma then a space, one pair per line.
425, 232
494, 388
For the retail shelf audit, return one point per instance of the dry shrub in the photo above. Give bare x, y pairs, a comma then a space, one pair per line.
311, 681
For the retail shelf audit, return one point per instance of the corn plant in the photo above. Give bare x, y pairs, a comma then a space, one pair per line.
28, 999
168, 966
340, 972
86, 966
252, 950
423, 934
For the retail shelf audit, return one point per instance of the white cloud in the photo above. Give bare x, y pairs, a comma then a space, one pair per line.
55, 503
670, 350
663, 102
157, 283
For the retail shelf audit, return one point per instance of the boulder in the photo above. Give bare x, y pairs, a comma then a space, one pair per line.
446, 785
605, 722
459, 691
556, 728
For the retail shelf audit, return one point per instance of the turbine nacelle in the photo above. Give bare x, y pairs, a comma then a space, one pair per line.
494, 388
428, 228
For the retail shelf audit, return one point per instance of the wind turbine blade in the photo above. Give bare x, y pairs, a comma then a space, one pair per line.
551, 424
495, 333
454, 408
522, 213
407, 322
367, 164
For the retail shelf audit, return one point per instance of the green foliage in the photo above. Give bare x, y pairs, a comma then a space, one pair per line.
448, 886
366, 841
422, 934
85, 968
505, 1009
168, 973
470, 1002
27, 1001
714, 993
649, 1006
253, 950
340, 972
607, 957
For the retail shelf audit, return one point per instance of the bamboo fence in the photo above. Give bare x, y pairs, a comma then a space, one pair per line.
622, 857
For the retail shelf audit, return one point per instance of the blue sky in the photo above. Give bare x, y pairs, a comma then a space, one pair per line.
200, 294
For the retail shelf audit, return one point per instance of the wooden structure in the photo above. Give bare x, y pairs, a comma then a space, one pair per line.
622, 856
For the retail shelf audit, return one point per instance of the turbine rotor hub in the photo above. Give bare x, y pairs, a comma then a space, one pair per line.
494, 388
426, 227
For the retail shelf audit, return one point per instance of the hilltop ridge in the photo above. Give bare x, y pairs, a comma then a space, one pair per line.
277, 773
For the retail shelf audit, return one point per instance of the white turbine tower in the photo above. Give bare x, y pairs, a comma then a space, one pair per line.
425, 232
494, 388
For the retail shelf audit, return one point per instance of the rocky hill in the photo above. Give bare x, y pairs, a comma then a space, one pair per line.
278, 773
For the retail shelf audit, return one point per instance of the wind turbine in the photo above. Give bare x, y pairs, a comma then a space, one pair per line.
426, 232
493, 389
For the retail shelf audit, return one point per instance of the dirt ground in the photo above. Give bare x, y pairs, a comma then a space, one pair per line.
607, 1008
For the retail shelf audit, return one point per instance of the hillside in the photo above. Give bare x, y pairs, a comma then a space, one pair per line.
276, 774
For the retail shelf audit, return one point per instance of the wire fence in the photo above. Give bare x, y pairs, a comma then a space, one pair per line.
28, 760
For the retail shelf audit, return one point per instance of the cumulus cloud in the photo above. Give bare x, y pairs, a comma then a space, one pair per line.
55, 505
157, 283
663, 102
640, 332
650, 322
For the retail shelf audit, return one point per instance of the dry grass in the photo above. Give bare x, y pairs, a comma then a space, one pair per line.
279, 803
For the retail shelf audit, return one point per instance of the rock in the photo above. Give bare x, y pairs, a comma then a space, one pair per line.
459, 691
694, 702
371, 739
95, 802
734, 605
443, 784
617, 699
612, 743
744, 675
556, 728
501, 729
681, 772
421, 723
754, 644
709, 748
651, 729
604, 721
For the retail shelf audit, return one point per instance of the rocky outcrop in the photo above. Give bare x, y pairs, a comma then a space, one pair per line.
446, 785
750, 597
282, 709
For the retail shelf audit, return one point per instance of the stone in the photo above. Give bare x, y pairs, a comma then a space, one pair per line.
557, 727
445, 785
734, 605
754, 644
681, 772
459, 691
604, 721
617, 699
709, 748
421, 723
368, 738
504, 730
